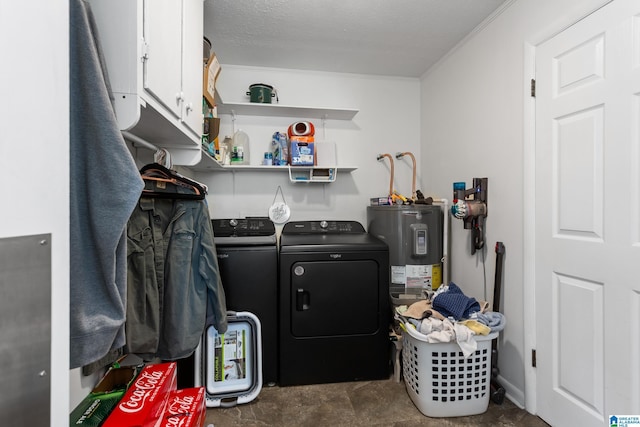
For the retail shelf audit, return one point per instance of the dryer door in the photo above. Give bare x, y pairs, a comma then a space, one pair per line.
333, 298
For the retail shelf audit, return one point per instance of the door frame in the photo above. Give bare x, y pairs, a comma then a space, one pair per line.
529, 186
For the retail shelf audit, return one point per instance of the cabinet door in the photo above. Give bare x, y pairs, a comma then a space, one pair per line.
192, 64
163, 38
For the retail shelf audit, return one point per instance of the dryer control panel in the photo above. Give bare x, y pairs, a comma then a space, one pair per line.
320, 227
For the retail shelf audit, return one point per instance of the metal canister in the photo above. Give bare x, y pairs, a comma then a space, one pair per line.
261, 93
268, 158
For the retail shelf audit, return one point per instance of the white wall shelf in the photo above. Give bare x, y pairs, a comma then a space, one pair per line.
296, 173
280, 110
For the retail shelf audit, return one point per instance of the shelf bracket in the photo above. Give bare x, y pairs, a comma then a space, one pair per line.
233, 121
324, 128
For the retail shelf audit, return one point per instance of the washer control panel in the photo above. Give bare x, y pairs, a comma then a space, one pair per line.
250, 226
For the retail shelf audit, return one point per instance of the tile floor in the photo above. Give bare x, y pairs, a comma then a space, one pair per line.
352, 404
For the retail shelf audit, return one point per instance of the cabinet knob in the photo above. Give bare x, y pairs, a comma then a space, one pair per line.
189, 107
179, 96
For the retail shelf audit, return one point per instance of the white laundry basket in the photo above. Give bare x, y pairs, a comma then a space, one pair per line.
440, 381
229, 365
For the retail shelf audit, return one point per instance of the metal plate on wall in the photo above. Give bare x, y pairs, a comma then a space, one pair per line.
25, 330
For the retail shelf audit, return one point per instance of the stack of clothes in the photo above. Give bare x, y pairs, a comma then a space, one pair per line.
451, 316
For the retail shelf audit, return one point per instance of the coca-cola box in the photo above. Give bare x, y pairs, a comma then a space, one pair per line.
185, 408
145, 400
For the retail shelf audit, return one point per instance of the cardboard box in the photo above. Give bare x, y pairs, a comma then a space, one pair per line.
96, 407
210, 76
145, 400
301, 150
185, 408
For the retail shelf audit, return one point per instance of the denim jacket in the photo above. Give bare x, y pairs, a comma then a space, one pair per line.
173, 285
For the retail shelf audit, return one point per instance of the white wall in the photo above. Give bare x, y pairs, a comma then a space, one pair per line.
387, 122
473, 125
34, 135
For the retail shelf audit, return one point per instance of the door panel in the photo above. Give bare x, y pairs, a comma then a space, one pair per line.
579, 66
163, 68
334, 298
192, 67
587, 219
578, 341
577, 174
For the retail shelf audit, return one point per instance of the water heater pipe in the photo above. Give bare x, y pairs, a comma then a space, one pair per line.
413, 182
445, 239
380, 157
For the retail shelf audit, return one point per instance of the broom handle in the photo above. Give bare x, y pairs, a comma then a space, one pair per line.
497, 286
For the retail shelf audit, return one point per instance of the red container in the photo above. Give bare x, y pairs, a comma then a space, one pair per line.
145, 400
185, 408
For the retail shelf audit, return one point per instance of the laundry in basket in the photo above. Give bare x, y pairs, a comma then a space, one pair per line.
440, 380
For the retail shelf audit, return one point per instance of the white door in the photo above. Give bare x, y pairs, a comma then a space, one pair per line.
588, 219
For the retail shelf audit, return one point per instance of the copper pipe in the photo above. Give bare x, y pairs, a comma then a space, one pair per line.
380, 156
413, 184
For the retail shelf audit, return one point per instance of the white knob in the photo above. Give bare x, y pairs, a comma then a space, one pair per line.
324, 224
233, 222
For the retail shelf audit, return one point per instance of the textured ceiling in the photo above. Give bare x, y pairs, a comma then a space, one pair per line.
382, 37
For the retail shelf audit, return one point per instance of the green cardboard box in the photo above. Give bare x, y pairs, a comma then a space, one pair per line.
98, 404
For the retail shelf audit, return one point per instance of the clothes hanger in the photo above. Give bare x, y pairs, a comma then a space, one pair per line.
170, 173
162, 156
161, 182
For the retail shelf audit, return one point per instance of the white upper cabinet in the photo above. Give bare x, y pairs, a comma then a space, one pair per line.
153, 51
162, 52
192, 63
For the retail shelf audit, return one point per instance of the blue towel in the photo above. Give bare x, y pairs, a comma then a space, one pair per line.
454, 303
496, 321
